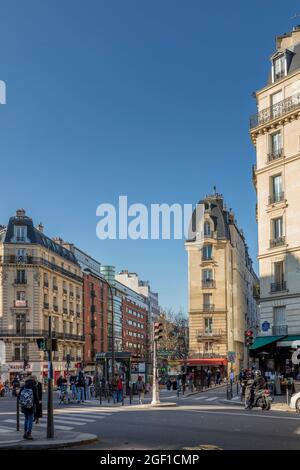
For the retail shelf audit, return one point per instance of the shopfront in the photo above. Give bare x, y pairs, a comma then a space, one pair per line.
197, 368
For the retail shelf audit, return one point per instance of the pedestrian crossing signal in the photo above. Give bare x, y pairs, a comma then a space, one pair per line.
249, 338
158, 330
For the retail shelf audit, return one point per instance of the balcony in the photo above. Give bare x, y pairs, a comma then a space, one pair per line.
274, 198
46, 305
278, 286
276, 111
208, 283
208, 308
210, 334
40, 334
21, 281
20, 304
275, 155
275, 242
39, 262
278, 330
207, 258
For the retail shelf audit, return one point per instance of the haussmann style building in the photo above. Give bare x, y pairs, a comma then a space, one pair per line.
221, 292
275, 133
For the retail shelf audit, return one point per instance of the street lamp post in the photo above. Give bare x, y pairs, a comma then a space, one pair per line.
50, 421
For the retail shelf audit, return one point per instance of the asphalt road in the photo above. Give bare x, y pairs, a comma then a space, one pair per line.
197, 420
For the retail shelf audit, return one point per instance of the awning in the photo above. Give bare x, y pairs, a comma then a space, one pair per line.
264, 341
288, 340
218, 361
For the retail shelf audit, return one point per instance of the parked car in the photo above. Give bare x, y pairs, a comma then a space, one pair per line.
295, 402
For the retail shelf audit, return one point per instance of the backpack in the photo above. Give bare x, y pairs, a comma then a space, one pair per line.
140, 385
26, 398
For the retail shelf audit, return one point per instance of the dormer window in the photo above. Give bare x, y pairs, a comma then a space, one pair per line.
20, 233
279, 68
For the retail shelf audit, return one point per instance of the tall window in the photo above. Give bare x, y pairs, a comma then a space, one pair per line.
279, 316
207, 301
278, 272
207, 231
276, 106
275, 145
20, 351
207, 252
21, 295
21, 276
279, 68
21, 324
277, 228
207, 275
208, 346
20, 233
277, 188
21, 255
208, 325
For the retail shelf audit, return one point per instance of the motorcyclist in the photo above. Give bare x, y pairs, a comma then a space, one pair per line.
257, 385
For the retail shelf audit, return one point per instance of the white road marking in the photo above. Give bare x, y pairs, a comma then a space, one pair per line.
245, 414
212, 399
200, 398
62, 428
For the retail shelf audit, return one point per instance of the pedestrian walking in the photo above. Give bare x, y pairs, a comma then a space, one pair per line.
114, 389
87, 387
80, 384
120, 389
208, 376
38, 410
140, 387
218, 376
28, 399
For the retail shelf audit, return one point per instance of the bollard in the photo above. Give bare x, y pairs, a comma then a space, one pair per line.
100, 395
18, 414
287, 396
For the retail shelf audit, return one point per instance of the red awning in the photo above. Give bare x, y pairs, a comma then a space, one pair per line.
207, 361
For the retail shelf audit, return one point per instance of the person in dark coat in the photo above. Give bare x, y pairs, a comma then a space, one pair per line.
29, 395
38, 412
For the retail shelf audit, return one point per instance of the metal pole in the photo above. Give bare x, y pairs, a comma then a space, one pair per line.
18, 414
50, 422
155, 393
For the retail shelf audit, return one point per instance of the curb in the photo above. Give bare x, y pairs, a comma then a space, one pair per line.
88, 439
205, 390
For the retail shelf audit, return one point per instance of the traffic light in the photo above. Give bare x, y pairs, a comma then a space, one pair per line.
41, 344
249, 338
158, 329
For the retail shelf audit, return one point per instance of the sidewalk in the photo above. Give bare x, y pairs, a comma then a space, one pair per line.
13, 440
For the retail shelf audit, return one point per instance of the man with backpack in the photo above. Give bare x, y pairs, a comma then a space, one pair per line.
28, 399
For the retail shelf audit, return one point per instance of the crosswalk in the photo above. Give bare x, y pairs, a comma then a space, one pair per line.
64, 419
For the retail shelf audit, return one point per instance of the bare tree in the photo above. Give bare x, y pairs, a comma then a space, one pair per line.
174, 340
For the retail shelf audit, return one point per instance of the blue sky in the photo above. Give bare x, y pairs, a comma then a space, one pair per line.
149, 99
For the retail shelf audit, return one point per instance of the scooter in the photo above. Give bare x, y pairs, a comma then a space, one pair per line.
262, 399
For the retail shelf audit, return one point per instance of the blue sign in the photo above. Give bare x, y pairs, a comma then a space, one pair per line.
265, 326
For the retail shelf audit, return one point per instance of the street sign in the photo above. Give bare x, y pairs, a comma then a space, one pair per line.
231, 356
265, 326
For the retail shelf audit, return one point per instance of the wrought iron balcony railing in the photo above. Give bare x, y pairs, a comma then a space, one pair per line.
275, 154
274, 198
277, 110
39, 334
208, 283
278, 286
279, 241
210, 334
